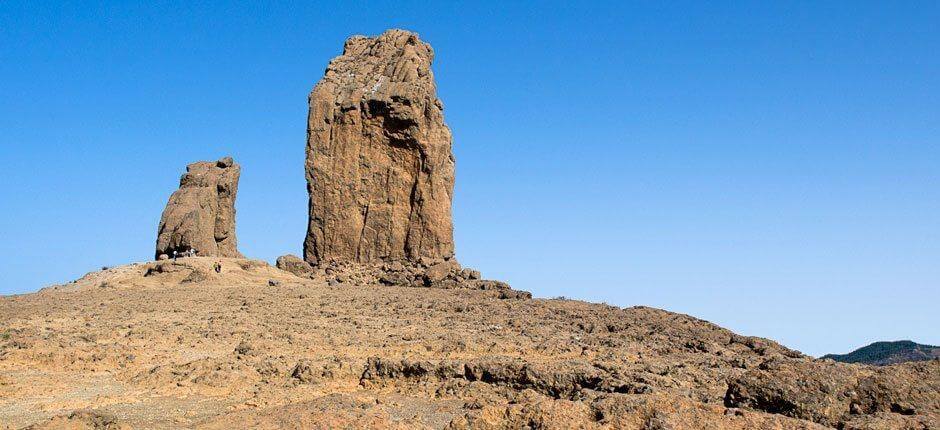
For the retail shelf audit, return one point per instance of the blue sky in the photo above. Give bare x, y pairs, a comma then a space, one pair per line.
773, 168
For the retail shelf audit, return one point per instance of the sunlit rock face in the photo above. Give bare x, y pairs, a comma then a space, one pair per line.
200, 215
379, 166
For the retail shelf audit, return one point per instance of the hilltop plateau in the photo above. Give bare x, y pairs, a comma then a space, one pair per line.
175, 344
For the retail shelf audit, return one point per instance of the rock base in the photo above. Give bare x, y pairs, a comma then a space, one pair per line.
427, 273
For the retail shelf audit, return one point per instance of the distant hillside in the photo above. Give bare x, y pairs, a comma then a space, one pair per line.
885, 353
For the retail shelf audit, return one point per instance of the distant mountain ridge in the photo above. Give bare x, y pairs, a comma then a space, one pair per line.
885, 353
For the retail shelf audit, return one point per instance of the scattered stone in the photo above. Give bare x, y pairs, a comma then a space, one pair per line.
244, 348
273, 282
82, 419
490, 285
200, 215
307, 371
303, 372
442, 274
196, 276
514, 295
395, 278
471, 274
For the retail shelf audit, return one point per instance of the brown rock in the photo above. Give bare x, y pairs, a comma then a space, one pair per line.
511, 294
830, 393
293, 264
379, 165
470, 274
200, 215
82, 419
489, 285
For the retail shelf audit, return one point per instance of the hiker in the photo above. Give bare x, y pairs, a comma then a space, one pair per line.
174, 255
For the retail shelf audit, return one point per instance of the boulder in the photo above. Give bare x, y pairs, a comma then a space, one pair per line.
440, 271
379, 165
294, 264
200, 215
470, 274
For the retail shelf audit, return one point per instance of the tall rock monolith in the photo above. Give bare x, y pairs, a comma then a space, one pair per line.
380, 171
200, 215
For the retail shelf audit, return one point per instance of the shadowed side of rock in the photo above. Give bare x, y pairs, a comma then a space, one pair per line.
379, 166
200, 215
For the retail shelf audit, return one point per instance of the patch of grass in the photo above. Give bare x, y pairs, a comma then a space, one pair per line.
5, 335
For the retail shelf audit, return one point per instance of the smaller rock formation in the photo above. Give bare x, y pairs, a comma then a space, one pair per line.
81, 419
200, 215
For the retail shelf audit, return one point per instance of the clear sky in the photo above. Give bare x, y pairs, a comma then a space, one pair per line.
773, 168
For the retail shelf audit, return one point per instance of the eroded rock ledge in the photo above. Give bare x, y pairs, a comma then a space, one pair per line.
425, 273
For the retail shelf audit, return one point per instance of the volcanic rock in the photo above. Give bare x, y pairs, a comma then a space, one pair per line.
158, 349
81, 420
200, 215
380, 171
887, 353
294, 264
831, 393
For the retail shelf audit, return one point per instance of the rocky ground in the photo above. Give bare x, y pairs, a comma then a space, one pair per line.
176, 344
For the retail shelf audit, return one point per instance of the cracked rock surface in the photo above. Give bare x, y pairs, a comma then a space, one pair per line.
213, 343
200, 215
380, 171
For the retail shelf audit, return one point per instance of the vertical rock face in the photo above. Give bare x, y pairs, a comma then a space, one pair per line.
200, 215
380, 171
